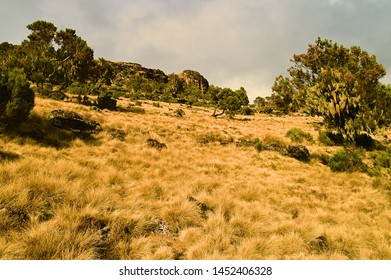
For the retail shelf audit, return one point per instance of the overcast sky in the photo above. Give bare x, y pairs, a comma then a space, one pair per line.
232, 43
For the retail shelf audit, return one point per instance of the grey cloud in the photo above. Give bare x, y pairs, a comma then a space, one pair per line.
232, 43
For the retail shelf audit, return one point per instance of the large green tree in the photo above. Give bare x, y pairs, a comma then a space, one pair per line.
37, 54
341, 84
75, 58
228, 100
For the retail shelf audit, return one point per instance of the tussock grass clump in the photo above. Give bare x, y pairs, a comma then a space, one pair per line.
212, 137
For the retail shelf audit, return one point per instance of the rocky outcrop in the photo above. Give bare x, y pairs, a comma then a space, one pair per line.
123, 70
193, 78
72, 121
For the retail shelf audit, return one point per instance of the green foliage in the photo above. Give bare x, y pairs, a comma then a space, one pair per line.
258, 145
340, 84
347, 161
16, 97
229, 101
297, 135
105, 101
382, 158
247, 111
78, 88
330, 138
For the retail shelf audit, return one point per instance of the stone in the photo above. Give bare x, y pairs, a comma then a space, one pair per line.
74, 122
156, 144
299, 152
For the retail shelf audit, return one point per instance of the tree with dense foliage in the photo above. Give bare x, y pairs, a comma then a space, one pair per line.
340, 84
38, 54
16, 97
227, 100
75, 58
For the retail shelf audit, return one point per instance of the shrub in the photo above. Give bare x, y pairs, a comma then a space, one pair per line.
78, 88
16, 97
258, 145
330, 138
365, 141
297, 135
382, 158
347, 161
106, 102
247, 111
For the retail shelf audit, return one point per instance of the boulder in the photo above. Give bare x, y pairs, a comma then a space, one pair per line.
299, 152
74, 122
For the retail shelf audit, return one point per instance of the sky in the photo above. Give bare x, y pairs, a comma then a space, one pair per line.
232, 43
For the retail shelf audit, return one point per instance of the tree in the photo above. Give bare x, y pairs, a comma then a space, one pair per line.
340, 84
38, 54
16, 97
228, 101
75, 57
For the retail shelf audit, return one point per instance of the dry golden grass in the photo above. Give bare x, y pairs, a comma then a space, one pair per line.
201, 198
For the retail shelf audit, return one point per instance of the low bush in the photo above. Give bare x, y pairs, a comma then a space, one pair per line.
106, 102
347, 161
297, 135
330, 138
247, 111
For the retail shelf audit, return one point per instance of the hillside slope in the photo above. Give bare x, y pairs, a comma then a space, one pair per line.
208, 195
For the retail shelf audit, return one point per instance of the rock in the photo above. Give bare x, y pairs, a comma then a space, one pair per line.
193, 78
276, 147
72, 121
156, 144
8, 156
299, 152
179, 113
123, 70
245, 143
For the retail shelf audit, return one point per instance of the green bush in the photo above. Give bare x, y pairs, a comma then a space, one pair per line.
16, 97
78, 88
382, 158
347, 161
297, 135
330, 138
106, 102
258, 145
247, 111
